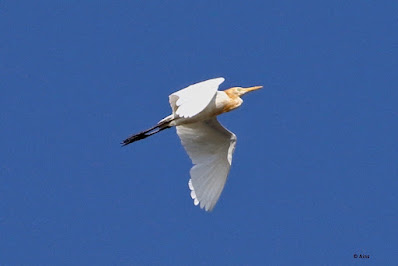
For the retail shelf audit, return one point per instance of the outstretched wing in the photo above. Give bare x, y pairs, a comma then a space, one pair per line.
194, 99
210, 147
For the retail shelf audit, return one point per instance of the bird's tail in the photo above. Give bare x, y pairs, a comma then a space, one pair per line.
162, 125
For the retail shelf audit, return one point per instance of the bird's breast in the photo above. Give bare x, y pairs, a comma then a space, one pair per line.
226, 103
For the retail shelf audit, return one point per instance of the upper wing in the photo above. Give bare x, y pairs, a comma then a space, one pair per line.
210, 147
194, 99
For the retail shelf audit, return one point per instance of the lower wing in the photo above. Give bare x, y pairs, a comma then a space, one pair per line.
210, 147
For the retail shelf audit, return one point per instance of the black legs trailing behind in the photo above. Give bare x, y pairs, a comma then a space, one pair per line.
145, 134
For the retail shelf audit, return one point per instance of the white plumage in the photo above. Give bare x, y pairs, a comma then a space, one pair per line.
195, 98
209, 145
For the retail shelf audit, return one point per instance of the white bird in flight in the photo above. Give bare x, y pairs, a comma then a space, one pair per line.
209, 145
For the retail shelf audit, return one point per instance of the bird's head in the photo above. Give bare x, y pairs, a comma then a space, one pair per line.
239, 91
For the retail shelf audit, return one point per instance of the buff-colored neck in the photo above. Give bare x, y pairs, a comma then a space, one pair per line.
231, 93
234, 100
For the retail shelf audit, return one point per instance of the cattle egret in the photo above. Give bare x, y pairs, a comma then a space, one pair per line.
209, 145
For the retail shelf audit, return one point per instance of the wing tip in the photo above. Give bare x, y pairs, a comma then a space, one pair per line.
193, 194
219, 80
196, 202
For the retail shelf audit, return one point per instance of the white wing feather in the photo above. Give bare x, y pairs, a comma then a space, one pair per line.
210, 147
194, 99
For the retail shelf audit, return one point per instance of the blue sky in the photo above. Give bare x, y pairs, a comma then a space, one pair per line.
314, 178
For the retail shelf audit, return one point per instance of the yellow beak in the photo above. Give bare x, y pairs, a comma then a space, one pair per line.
252, 88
